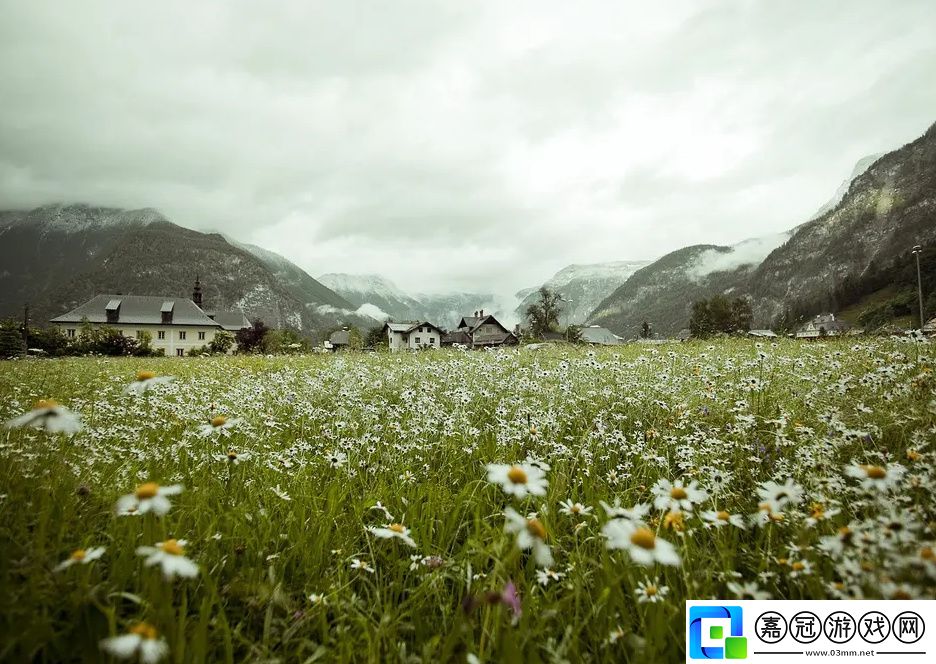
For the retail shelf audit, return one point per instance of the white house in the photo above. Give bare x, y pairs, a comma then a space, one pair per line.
412, 336
176, 325
823, 325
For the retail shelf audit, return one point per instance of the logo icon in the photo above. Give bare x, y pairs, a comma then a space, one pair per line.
715, 632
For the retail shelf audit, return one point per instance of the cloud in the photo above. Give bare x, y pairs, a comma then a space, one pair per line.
372, 310
447, 145
749, 252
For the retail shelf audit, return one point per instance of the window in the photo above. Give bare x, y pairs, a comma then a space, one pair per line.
181, 335
417, 341
432, 341
179, 351
161, 334
70, 332
201, 336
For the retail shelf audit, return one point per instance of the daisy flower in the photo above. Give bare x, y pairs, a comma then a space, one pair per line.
544, 576
641, 544
48, 415
723, 518
531, 534
170, 555
393, 531
673, 496
145, 381
651, 592
775, 496
234, 458
280, 493
574, 509
361, 565
141, 640
520, 480
747, 590
80, 556
148, 497
637, 513
876, 478
220, 424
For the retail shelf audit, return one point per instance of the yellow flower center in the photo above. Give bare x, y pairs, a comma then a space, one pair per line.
764, 507
901, 594
172, 547
926, 553
913, 455
147, 490
535, 528
875, 472
397, 528
723, 515
78, 555
145, 375
782, 561
866, 566
673, 520
45, 403
218, 420
517, 475
643, 538
533, 430
232, 456
798, 566
144, 630
845, 533
575, 509
678, 493
650, 591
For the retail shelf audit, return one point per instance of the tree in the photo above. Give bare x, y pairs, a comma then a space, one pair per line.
355, 339
283, 342
573, 334
376, 338
719, 315
646, 330
544, 313
222, 342
250, 339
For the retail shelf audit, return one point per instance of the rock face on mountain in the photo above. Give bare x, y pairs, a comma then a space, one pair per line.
380, 297
888, 209
662, 293
56, 257
582, 287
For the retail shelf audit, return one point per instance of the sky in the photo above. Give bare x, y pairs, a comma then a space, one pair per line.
472, 145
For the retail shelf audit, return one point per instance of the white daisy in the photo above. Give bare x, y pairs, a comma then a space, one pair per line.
80, 556
361, 565
142, 640
170, 555
723, 518
544, 576
673, 496
219, 424
234, 458
776, 496
876, 478
641, 544
651, 592
637, 513
518, 480
50, 416
393, 531
530, 535
574, 509
145, 381
148, 497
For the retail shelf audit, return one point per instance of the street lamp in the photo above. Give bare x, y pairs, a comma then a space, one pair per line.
917, 250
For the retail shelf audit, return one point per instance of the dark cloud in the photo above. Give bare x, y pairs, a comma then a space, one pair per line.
487, 143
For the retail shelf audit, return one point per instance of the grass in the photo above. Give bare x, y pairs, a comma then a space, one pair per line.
322, 439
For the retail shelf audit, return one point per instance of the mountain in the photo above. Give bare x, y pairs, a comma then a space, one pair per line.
888, 209
847, 253
582, 287
380, 297
662, 292
57, 256
860, 167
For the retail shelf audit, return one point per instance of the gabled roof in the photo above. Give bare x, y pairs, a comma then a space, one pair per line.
137, 310
408, 327
596, 334
474, 322
762, 333
232, 320
340, 338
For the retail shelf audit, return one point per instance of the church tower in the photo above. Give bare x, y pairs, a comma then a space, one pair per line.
196, 293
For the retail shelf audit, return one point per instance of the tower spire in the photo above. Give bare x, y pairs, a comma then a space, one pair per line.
196, 292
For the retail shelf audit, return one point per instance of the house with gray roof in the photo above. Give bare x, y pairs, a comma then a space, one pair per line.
413, 335
480, 331
176, 325
600, 336
823, 325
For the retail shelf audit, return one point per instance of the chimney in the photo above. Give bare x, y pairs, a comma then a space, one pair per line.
482, 313
476, 314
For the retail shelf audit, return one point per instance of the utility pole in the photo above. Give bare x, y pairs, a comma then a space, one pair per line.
26, 329
917, 250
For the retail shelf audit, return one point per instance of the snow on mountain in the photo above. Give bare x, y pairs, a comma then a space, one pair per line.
583, 287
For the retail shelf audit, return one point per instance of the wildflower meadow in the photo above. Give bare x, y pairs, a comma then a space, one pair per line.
552, 504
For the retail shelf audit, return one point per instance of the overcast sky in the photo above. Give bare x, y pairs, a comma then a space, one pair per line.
469, 145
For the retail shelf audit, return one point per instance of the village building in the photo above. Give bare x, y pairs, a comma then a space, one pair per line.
600, 336
930, 327
338, 340
762, 334
176, 325
823, 325
481, 331
412, 335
